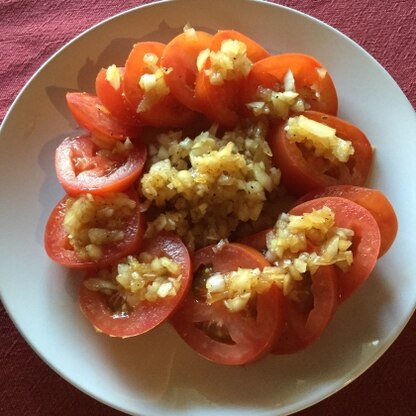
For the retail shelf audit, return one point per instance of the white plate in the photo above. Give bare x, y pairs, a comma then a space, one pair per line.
156, 373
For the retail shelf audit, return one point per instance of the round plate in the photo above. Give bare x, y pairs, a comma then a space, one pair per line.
157, 373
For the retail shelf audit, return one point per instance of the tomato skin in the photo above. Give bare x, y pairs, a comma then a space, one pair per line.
100, 174
256, 240
59, 250
220, 103
115, 100
167, 111
146, 315
181, 54
373, 200
89, 113
365, 243
304, 326
223, 103
252, 336
271, 71
300, 175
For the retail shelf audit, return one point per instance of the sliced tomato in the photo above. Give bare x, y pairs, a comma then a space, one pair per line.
303, 172
365, 243
147, 314
373, 200
81, 166
308, 316
58, 248
165, 112
256, 240
223, 103
225, 337
180, 55
90, 113
312, 82
111, 94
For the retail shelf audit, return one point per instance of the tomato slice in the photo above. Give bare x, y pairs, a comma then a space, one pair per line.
308, 318
225, 337
223, 103
181, 54
147, 314
256, 240
59, 250
92, 115
81, 166
365, 243
166, 111
373, 200
112, 95
312, 81
302, 173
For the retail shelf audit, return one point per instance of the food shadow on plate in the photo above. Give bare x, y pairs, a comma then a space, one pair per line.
117, 51
160, 364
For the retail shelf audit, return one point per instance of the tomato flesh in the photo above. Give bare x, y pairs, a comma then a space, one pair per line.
91, 114
365, 243
59, 250
301, 174
166, 111
373, 200
146, 315
304, 324
317, 91
114, 99
243, 336
81, 168
181, 54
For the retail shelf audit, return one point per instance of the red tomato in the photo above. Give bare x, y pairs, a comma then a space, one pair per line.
167, 111
114, 99
146, 315
317, 89
256, 240
302, 172
59, 250
222, 103
371, 199
181, 54
308, 318
365, 244
89, 113
83, 167
225, 337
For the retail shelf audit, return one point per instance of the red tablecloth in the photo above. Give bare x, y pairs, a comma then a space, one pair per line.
32, 30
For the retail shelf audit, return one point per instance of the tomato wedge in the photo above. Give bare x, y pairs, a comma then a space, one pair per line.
146, 315
166, 111
365, 243
181, 54
373, 200
307, 318
58, 248
112, 95
302, 172
223, 103
225, 337
90, 113
81, 166
312, 82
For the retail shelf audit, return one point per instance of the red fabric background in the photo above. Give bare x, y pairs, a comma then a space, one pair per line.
32, 30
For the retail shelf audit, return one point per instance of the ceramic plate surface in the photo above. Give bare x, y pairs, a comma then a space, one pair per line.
157, 373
